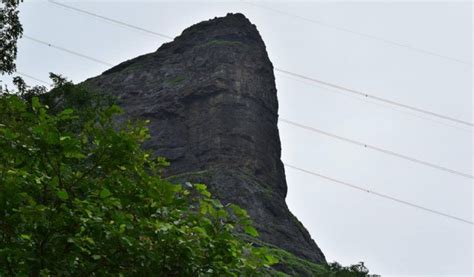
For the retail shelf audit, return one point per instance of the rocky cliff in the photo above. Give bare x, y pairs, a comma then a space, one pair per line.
211, 100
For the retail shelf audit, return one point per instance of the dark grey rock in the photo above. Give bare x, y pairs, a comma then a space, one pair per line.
211, 100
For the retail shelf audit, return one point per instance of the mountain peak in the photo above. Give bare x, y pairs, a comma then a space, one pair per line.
234, 27
211, 100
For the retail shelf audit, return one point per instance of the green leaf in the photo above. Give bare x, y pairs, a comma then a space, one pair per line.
25, 236
35, 103
74, 155
122, 228
89, 240
203, 190
251, 231
66, 113
62, 194
238, 211
204, 208
96, 257
54, 181
200, 187
271, 259
105, 193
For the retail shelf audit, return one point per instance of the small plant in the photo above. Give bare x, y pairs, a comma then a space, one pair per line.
176, 80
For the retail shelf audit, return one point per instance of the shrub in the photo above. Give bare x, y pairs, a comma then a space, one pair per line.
81, 197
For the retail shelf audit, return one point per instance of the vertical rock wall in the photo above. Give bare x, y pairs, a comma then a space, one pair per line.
211, 99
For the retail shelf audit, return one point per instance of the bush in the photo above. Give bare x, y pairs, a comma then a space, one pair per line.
81, 197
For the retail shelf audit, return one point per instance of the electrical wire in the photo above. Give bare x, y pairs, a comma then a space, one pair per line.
110, 19
391, 198
377, 98
361, 34
32, 77
359, 93
339, 181
381, 105
385, 151
67, 50
376, 148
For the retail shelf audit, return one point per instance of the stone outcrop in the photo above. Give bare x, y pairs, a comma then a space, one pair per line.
211, 100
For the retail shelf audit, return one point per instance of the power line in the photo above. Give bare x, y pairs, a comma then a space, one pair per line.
382, 105
32, 77
304, 126
352, 141
336, 180
333, 179
377, 98
122, 23
322, 132
359, 93
385, 151
378, 149
379, 194
358, 143
110, 19
361, 34
67, 50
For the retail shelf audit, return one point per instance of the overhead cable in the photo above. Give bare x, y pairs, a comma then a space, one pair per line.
378, 194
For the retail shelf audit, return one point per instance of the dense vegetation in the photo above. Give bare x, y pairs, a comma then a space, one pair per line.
80, 196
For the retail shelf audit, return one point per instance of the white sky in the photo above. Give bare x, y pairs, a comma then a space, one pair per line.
349, 225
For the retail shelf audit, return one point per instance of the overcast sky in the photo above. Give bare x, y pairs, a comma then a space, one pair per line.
349, 225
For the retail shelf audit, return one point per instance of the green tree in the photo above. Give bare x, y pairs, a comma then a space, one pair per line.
79, 196
356, 270
10, 31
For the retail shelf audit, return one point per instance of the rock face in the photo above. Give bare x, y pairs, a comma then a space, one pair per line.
211, 100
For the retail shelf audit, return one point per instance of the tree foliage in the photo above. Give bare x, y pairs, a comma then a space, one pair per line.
10, 31
356, 270
79, 196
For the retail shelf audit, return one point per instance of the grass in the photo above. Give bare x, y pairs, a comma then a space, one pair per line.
292, 264
296, 266
188, 175
176, 80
